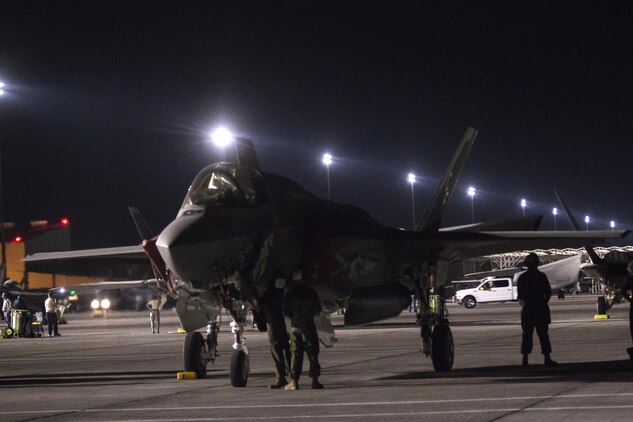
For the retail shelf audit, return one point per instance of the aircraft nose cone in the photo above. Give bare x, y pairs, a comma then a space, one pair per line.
177, 244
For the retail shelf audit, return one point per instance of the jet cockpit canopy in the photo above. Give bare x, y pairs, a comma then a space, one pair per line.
226, 185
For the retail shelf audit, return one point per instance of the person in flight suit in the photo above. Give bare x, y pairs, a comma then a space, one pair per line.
534, 292
626, 288
301, 304
272, 307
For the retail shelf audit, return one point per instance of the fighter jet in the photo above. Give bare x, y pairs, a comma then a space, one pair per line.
609, 270
240, 228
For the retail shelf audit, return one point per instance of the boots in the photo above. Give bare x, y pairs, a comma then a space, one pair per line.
549, 362
525, 363
316, 385
279, 382
292, 385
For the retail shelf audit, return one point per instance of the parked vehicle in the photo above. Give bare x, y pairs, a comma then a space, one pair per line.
490, 289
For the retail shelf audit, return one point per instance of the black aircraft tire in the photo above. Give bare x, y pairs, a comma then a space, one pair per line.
9, 332
602, 305
443, 348
193, 354
469, 302
238, 371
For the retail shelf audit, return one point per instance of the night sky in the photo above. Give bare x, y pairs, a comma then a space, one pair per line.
110, 104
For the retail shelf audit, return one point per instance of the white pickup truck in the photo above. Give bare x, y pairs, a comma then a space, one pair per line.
490, 289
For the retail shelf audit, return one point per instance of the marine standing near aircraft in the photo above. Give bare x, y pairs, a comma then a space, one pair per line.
239, 226
534, 294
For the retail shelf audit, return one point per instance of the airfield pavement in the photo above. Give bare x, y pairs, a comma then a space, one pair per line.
115, 369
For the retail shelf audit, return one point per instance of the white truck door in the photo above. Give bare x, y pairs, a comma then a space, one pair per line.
501, 289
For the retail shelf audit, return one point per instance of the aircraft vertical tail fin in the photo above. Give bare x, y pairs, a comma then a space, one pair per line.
141, 225
590, 251
432, 218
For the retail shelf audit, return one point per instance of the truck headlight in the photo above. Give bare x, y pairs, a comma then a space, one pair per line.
94, 304
105, 304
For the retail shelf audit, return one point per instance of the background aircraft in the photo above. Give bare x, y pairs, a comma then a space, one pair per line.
240, 228
610, 270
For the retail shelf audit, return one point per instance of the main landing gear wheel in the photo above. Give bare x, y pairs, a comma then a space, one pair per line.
469, 302
195, 354
443, 348
239, 369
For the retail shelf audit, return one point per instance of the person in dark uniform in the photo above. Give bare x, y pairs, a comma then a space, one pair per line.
626, 288
301, 304
534, 292
272, 307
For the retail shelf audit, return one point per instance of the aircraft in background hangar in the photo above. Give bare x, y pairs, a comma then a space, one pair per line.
239, 228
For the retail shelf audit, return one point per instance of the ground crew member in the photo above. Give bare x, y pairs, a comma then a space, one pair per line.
272, 307
51, 315
301, 304
534, 292
6, 309
626, 288
154, 314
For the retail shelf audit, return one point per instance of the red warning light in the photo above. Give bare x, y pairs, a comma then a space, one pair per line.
64, 221
18, 239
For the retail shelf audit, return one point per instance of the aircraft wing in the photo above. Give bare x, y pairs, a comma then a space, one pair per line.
561, 273
127, 252
108, 285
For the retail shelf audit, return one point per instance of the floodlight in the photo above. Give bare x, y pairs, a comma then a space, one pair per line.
222, 137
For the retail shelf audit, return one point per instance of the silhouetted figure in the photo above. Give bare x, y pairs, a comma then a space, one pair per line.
626, 288
272, 308
301, 304
534, 292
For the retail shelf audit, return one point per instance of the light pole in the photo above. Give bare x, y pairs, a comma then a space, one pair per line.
471, 193
612, 225
586, 223
411, 179
327, 160
2, 237
555, 212
523, 204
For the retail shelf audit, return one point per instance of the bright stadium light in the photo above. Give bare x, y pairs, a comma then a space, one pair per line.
411, 179
471, 192
222, 137
587, 222
612, 225
523, 204
555, 213
327, 160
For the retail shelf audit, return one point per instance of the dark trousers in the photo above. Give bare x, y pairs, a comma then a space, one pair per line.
279, 347
304, 340
631, 321
51, 317
528, 327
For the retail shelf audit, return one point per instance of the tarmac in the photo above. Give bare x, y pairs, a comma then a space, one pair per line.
116, 369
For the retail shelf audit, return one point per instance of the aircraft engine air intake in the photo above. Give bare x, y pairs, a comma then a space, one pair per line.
375, 303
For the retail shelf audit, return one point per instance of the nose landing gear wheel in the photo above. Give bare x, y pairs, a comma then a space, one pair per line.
443, 348
239, 368
195, 354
